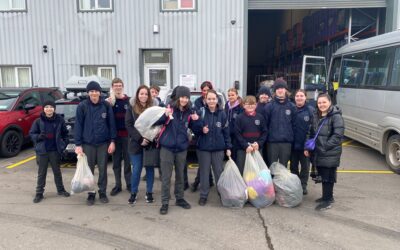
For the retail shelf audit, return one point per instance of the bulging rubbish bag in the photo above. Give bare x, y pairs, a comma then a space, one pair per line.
289, 192
144, 123
231, 186
258, 180
83, 179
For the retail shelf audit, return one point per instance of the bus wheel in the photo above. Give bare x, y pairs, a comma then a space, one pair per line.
393, 153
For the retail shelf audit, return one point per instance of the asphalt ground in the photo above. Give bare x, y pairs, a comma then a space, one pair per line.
366, 214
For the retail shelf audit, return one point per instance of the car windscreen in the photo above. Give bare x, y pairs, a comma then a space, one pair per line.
68, 111
7, 100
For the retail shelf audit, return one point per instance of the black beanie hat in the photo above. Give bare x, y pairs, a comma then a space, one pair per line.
264, 90
182, 91
279, 83
51, 103
93, 86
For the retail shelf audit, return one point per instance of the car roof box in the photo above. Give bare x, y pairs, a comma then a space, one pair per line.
78, 83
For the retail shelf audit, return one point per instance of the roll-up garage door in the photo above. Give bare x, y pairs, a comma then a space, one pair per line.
313, 4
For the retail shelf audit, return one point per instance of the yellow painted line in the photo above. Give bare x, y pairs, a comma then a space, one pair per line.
366, 171
347, 142
193, 165
22, 162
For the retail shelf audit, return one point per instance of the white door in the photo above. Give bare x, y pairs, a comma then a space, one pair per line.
158, 75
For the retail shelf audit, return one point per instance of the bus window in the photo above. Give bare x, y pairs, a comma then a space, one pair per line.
395, 79
378, 67
353, 69
334, 78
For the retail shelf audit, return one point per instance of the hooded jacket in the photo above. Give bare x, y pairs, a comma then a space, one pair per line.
232, 113
328, 145
303, 120
61, 133
95, 123
280, 120
218, 136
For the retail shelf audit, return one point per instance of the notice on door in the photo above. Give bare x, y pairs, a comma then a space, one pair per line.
187, 81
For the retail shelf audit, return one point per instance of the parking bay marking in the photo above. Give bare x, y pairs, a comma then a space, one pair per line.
21, 162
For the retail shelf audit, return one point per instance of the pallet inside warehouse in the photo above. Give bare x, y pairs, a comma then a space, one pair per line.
278, 39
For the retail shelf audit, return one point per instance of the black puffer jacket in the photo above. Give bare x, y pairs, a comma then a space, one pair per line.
328, 147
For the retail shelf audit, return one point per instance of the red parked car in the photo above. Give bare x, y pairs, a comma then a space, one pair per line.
19, 108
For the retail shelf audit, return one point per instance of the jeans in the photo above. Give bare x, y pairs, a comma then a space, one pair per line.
137, 166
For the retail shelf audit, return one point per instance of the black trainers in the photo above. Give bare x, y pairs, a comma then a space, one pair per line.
115, 191
38, 198
183, 204
103, 198
194, 186
132, 200
164, 209
90, 199
332, 200
202, 201
323, 206
63, 193
149, 197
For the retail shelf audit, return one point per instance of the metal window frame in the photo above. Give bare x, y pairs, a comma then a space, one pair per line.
111, 9
16, 10
16, 67
98, 68
179, 9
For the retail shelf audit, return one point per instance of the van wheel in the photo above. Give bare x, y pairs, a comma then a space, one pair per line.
393, 153
11, 144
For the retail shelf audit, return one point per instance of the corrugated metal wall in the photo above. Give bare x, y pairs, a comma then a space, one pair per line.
204, 43
314, 4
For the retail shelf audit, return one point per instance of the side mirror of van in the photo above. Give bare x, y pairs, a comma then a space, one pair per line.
28, 106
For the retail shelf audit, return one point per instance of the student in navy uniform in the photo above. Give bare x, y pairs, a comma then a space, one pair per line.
213, 139
199, 105
174, 142
250, 131
137, 106
303, 119
264, 97
280, 119
120, 102
95, 135
233, 108
50, 137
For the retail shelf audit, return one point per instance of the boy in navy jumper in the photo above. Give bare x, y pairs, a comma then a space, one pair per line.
250, 131
50, 136
119, 102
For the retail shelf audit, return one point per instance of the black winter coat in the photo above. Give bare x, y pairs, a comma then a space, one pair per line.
328, 147
61, 134
135, 138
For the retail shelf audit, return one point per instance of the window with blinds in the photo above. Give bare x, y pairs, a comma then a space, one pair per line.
15, 76
98, 70
12, 5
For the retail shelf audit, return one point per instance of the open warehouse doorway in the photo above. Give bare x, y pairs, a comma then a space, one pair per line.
279, 38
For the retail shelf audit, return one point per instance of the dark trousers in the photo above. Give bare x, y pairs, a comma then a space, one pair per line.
328, 176
277, 151
121, 154
43, 161
170, 159
240, 159
297, 157
206, 161
197, 179
98, 155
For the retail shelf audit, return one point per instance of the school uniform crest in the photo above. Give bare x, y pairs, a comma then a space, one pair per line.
126, 106
257, 122
235, 115
104, 115
218, 124
288, 112
306, 118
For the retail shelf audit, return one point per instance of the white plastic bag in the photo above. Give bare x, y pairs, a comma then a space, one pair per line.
144, 123
259, 184
83, 179
231, 186
289, 192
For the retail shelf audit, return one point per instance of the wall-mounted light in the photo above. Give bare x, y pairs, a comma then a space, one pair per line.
45, 50
156, 28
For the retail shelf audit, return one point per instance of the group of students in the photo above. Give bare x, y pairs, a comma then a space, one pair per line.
273, 125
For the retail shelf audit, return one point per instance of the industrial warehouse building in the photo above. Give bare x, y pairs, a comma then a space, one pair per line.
232, 43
